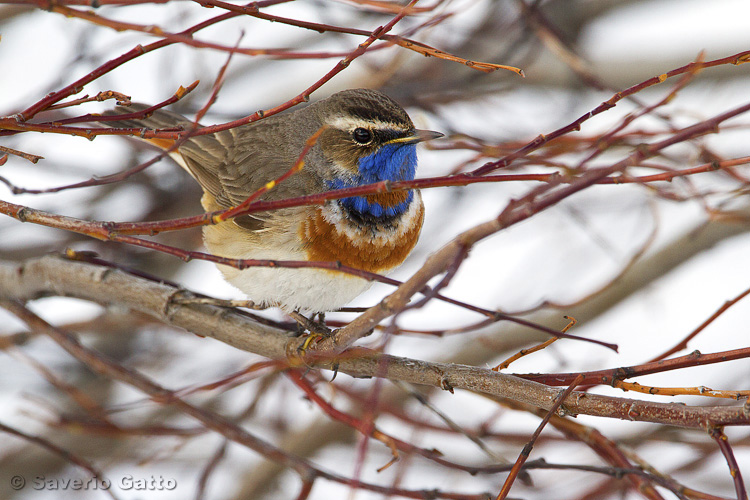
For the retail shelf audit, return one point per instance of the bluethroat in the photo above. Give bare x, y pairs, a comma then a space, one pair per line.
367, 138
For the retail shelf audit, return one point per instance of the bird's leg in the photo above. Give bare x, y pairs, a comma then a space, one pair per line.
318, 331
309, 324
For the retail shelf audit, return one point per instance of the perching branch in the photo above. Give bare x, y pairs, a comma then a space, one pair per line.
54, 275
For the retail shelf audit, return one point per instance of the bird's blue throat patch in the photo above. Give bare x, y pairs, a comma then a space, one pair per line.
392, 162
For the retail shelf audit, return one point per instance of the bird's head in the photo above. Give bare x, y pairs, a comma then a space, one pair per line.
368, 138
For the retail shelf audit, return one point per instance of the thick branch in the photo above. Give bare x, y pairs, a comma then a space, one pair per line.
52, 275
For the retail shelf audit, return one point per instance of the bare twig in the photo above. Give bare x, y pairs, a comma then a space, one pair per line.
505, 490
96, 475
717, 433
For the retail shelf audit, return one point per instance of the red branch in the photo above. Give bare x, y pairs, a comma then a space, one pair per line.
609, 376
736, 59
528, 447
734, 469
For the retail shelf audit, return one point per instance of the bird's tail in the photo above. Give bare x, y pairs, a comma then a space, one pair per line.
159, 119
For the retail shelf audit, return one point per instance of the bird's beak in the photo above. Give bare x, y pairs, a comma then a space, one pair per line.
417, 136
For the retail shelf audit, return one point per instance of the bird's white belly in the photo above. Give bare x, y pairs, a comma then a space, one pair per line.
283, 239
306, 289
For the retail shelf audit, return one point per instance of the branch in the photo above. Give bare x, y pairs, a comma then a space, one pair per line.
51, 275
108, 367
65, 454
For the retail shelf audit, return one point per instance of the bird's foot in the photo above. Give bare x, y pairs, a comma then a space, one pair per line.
318, 329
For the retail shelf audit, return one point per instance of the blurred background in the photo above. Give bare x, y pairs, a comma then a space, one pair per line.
640, 265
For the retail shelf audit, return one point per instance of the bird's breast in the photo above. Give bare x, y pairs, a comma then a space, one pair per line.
331, 234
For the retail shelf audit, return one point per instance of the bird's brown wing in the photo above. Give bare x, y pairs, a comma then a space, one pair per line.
233, 164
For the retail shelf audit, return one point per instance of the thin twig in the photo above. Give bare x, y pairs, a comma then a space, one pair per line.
96, 474
505, 490
717, 433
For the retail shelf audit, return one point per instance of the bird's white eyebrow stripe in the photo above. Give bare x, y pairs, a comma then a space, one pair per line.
351, 122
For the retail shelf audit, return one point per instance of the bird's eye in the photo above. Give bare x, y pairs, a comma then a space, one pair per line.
362, 135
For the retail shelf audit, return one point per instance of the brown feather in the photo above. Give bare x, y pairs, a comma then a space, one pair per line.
324, 242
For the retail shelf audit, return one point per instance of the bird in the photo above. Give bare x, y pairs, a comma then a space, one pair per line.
365, 137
